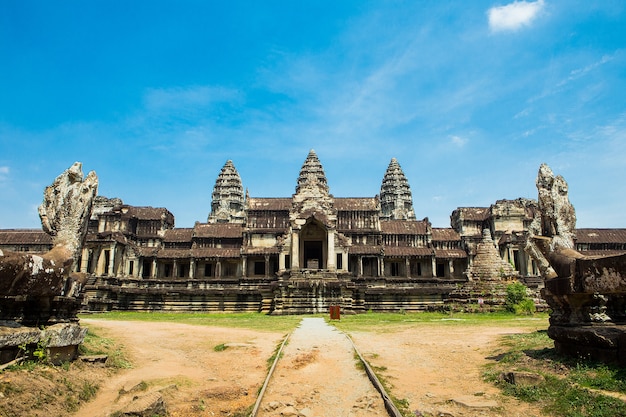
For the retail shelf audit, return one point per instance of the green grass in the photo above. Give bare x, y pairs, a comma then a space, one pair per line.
254, 321
391, 322
571, 388
220, 348
95, 344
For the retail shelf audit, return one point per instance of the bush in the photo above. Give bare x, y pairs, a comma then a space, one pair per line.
517, 300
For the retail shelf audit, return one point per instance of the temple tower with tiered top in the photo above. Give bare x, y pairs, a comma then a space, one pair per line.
227, 205
396, 202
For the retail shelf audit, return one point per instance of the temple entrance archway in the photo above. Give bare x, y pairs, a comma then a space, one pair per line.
313, 242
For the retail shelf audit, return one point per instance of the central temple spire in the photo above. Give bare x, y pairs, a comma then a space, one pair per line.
312, 176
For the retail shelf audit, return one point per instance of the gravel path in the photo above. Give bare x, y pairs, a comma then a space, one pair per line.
318, 376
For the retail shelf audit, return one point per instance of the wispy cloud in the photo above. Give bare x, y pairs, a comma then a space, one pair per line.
4, 173
514, 16
458, 141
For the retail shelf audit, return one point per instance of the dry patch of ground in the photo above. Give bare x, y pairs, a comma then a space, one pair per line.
435, 368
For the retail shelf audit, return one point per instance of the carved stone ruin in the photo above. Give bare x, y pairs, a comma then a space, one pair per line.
41, 292
587, 294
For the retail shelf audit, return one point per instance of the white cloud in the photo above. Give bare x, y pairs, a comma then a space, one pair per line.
513, 16
458, 141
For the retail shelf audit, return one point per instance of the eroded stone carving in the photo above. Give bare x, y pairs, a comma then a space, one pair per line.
38, 290
587, 294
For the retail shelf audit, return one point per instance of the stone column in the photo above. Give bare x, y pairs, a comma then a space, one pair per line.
345, 265
244, 265
192, 268
84, 260
154, 268
451, 267
281, 261
434, 265
218, 269
360, 266
330, 262
295, 251
407, 266
111, 270
381, 266
175, 269
267, 266
139, 267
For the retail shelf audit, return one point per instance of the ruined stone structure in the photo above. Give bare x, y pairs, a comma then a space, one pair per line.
40, 295
586, 292
303, 253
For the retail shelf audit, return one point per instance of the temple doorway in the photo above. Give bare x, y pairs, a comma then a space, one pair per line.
313, 245
313, 254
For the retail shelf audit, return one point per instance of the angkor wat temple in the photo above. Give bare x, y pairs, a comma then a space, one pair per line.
304, 253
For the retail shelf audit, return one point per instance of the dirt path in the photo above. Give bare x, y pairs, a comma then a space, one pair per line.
436, 368
203, 382
317, 376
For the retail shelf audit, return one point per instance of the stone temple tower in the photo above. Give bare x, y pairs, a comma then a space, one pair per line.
396, 202
227, 205
312, 175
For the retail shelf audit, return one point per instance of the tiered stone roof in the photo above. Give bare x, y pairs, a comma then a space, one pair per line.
488, 265
395, 194
227, 199
312, 174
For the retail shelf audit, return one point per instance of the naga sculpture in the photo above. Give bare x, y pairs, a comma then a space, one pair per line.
40, 291
586, 294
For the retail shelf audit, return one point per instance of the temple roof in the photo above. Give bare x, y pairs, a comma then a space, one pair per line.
356, 204
404, 227
178, 235
473, 213
440, 234
273, 204
395, 194
312, 174
229, 230
600, 235
227, 198
24, 237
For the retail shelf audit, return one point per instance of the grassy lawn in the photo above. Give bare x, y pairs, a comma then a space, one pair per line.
390, 322
254, 321
570, 387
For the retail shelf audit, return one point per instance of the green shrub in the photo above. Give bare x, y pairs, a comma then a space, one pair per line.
517, 300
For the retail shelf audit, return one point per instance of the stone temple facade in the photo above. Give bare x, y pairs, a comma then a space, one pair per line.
301, 254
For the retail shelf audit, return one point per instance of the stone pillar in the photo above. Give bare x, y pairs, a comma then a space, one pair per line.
434, 265
84, 260
218, 269
295, 251
407, 267
345, 265
281, 261
154, 268
244, 265
381, 266
140, 268
360, 266
451, 267
175, 269
111, 270
330, 262
192, 268
267, 266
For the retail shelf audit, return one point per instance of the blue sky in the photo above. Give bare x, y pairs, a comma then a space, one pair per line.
470, 97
